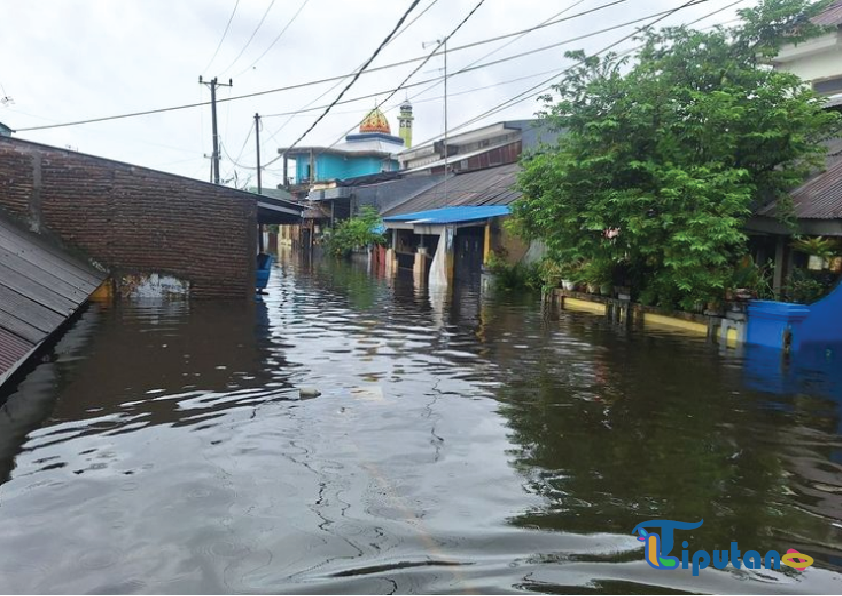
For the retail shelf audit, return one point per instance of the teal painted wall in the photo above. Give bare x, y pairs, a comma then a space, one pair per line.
329, 167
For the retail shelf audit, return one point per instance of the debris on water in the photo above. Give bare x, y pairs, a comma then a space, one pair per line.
368, 393
308, 393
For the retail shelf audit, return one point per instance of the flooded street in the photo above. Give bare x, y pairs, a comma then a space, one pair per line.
459, 445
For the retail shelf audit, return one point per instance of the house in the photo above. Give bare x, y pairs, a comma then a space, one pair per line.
382, 191
818, 202
818, 61
372, 150
446, 233
493, 145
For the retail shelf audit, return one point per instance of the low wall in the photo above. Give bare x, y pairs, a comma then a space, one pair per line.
134, 221
727, 330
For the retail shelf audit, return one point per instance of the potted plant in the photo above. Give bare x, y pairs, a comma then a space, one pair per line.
552, 273
571, 275
597, 274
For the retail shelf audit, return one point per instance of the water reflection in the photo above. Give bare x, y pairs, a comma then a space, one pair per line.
460, 443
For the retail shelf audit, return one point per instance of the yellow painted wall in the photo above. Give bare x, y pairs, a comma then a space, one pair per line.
104, 292
515, 248
486, 250
664, 321
585, 306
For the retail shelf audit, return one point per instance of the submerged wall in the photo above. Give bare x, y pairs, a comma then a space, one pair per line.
132, 220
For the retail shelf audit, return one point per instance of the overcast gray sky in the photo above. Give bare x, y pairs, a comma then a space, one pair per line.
66, 60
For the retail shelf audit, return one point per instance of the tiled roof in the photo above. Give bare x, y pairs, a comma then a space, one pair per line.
40, 287
832, 15
493, 186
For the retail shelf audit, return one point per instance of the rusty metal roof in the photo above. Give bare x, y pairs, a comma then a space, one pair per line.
832, 15
492, 186
40, 287
818, 198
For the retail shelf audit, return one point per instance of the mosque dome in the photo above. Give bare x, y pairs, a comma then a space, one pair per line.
375, 122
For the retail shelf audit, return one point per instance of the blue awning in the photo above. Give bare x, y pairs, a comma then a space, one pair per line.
451, 215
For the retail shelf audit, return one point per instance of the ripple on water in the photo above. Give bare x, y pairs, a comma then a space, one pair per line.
459, 444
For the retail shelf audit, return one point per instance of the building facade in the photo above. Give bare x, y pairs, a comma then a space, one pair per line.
371, 150
818, 61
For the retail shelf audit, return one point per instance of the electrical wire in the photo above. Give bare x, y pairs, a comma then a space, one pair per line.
417, 68
248, 43
542, 85
276, 40
243, 148
505, 45
342, 77
224, 34
357, 75
529, 92
416, 84
339, 82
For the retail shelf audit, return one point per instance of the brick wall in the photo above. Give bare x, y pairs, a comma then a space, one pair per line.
134, 220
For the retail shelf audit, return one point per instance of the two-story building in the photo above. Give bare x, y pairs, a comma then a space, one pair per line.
818, 202
371, 150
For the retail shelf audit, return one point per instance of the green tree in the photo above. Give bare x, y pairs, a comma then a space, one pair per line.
356, 232
674, 151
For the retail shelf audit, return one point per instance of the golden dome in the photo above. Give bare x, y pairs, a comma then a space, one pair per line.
375, 122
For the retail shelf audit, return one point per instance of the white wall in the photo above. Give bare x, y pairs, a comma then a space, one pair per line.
816, 59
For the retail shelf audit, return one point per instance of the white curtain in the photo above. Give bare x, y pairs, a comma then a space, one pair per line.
438, 271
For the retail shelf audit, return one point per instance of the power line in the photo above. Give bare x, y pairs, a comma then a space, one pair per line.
417, 68
224, 34
334, 78
357, 75
243, 148
505, 45
274, 41
415, 18
416, 84
339, 82
355, 99
345, 76
542, 85
529, 92
248, 43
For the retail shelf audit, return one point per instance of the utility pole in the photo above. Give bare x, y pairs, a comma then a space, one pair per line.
260, 246
446, 152
442, 43
212, 85
257, 139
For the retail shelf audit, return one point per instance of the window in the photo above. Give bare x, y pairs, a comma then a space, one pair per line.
828, 86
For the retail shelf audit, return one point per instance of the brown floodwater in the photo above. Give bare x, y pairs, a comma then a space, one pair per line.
460, 444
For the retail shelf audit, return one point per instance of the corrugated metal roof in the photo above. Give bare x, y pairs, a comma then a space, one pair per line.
493, 186
818, 198
451, 215
832, 15
40, 287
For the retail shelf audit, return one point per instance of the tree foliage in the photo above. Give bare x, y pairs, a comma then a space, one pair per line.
672, 153
356, 232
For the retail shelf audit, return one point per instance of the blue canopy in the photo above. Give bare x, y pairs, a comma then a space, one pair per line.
451, 215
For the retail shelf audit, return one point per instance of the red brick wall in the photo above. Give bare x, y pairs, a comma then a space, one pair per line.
134, 220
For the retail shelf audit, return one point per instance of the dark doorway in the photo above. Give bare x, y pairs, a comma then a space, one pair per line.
468, 248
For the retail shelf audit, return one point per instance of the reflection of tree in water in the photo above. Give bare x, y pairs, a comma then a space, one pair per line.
629, 430
350, 280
